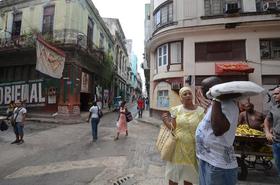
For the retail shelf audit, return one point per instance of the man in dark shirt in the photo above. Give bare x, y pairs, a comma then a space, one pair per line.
272, 127
251, 117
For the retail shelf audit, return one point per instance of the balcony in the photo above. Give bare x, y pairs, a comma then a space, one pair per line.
65, 39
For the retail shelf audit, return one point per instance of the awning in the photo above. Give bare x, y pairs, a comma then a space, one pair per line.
240, 67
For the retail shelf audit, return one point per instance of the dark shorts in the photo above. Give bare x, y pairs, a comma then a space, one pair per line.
18, 128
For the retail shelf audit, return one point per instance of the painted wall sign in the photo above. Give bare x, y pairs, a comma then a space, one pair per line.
85, 83
30, 91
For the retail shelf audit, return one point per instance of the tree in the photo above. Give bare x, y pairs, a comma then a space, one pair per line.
107, 70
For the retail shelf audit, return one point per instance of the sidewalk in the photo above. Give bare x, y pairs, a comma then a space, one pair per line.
149, 120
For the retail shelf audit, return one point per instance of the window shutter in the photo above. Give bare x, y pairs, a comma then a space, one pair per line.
175, 53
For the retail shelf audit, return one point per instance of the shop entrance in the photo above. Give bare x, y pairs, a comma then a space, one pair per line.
85, 100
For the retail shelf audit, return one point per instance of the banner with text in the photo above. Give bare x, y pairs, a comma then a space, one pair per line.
50, 60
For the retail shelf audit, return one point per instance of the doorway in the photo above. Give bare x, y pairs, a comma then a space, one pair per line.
85, 100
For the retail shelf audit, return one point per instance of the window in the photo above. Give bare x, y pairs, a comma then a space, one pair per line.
16, 25
48, 20
90, 33
270, 49
176, 52
163, 99
259, 5
162, 55
271, 79
163, 15
174, 49
266, 5
217, 7
157, 17
220, 51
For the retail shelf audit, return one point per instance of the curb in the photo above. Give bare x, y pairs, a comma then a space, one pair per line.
148, 122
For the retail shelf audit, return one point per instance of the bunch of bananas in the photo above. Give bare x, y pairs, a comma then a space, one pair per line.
244, 130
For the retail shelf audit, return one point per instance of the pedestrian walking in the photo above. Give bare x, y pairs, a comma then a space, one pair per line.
18, 117
272, 127
147, 103
140, 106
184, 120
121, 122
214, 139
94, 118
110, 104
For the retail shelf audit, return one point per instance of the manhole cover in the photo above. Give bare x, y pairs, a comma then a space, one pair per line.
125, 180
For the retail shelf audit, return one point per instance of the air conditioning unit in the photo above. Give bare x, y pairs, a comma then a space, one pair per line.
270, 6
232, 8
278, 4
176, 86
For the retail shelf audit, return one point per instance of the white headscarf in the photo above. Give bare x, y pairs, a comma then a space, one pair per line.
184, 89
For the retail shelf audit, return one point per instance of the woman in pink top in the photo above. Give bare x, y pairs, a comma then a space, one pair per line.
122, 124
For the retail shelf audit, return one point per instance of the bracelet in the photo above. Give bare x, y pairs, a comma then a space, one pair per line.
217, 100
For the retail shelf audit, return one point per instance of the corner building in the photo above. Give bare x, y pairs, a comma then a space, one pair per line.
187, 41
70, 25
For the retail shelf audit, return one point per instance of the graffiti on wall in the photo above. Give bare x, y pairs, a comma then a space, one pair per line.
30, 91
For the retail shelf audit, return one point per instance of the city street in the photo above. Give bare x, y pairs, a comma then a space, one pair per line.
64, 155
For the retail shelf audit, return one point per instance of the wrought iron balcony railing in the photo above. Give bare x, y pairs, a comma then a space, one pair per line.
58, 37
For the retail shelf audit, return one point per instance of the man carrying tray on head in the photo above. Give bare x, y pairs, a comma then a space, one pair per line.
216, 132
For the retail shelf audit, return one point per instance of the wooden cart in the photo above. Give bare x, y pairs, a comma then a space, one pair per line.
249, 156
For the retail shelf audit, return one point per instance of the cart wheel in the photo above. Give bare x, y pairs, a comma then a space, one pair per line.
267, 164
242, 169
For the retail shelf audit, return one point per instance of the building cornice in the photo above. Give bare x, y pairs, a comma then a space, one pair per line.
164, 36
8, 5
5, 3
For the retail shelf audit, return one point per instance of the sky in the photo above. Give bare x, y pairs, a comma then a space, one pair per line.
131, 14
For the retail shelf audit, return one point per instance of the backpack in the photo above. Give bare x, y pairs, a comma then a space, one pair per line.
100, 113
3, 125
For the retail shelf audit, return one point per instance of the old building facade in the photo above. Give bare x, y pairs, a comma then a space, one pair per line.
76, 28
122, 63
187, 41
